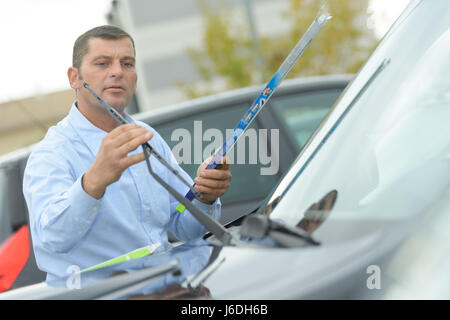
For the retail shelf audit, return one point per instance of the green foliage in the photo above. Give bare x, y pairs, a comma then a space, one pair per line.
229, 53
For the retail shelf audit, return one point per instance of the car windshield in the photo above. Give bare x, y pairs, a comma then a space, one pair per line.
383, 152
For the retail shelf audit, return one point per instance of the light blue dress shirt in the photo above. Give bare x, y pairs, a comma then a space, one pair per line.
71, 228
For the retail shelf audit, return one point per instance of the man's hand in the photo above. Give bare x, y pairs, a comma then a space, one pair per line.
112, 158
213, 183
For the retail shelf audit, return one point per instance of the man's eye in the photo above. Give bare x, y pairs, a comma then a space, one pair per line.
129, 64
100, 64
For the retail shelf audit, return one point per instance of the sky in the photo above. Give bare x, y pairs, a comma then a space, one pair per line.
37, 39
38, 35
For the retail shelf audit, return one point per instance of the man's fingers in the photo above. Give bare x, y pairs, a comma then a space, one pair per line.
132, 144
215, 184
123, 128
208, 160
127, 136
207, 191
223, 166
216, 174
133, 159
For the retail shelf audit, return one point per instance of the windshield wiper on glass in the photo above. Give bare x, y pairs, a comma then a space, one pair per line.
117, 286
195, 285
260, 227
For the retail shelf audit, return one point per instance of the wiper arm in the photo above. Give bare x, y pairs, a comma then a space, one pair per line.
195, 289
116, 115
117, 286
260, 226
208, 222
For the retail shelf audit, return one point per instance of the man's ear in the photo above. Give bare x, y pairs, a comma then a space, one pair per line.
74, 80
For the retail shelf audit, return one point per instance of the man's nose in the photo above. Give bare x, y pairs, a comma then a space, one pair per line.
116, 69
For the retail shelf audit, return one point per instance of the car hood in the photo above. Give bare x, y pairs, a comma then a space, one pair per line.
206, 271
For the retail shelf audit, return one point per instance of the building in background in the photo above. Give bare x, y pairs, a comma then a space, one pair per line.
163, 33
26, 121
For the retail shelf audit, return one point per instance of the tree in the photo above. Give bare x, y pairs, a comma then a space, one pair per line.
230, 54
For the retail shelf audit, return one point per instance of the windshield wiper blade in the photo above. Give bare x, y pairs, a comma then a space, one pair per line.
260, 226
268, 90
117, 286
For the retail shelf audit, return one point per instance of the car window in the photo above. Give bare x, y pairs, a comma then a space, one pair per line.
386, 156
247, 182
302, 113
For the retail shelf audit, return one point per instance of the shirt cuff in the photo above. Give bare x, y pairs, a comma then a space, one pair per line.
87, 206
212, 210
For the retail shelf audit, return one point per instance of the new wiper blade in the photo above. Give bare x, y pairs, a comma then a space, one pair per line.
267, 92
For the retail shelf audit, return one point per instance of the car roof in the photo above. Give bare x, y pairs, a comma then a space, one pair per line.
240, 95
211, 102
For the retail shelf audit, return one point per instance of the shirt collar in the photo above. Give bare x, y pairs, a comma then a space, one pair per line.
91, 135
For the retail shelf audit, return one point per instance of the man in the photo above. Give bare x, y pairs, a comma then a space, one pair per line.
89, 193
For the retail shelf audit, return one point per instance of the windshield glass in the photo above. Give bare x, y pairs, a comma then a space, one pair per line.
382, 154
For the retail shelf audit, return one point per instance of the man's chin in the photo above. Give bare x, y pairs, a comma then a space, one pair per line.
118, 104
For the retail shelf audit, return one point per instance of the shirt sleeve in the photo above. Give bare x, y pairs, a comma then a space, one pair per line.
61, 212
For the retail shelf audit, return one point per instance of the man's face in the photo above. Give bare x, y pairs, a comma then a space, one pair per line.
109, 69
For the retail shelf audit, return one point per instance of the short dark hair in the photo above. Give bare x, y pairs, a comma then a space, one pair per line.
81, 45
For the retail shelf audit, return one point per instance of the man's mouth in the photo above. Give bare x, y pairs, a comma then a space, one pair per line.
115, 88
